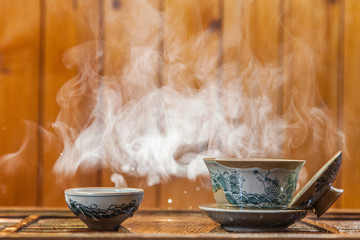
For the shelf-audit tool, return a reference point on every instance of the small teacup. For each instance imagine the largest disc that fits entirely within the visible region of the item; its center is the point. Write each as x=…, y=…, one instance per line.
x=254, y=183
x=103, y=208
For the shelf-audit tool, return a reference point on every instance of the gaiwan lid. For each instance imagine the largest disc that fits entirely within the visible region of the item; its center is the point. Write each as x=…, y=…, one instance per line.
x=318, y=192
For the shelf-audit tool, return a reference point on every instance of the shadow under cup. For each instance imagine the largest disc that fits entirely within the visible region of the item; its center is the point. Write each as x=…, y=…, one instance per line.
x=254, y=183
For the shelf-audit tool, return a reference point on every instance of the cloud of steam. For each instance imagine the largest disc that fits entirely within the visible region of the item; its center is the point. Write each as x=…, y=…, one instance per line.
x=134, y=122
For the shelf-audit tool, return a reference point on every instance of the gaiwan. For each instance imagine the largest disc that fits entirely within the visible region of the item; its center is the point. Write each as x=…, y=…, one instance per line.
x=254, y=183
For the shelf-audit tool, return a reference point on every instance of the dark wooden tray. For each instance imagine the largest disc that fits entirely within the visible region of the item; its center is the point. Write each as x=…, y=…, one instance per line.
x=41, y=223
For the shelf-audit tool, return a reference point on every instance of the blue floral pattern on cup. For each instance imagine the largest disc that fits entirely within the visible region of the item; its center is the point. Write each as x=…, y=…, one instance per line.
x=255, y=187
x=95, y=213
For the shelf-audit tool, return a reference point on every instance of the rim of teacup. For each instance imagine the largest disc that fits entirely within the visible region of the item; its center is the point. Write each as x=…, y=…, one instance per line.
x=103, y=191
x=263, y=163
x=254, y=159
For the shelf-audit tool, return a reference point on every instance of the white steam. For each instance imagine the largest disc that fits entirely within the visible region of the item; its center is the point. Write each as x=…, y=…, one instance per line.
x=129, y=123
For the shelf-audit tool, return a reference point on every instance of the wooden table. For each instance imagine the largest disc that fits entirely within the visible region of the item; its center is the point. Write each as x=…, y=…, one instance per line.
x=40, y=223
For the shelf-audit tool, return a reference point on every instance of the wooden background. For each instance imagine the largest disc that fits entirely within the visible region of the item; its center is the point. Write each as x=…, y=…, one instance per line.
x=35, y=34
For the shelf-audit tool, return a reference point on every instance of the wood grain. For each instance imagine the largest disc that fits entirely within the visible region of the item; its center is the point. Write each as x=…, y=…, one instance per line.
x=21, y=224
x=19, y=99
x=322, y=226
x=309, y=50
x=313, y=132
x=351, y=103
x=120, y=44
x=185, y=23
x=160, y=224
x=76, y=48
x=332, y=76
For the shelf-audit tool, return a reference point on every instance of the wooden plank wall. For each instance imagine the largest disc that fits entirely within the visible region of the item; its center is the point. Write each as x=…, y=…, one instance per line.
x=19, y=92
x=44, y=44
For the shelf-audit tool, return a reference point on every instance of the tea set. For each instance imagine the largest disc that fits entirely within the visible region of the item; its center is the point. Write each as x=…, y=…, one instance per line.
x=251, y=195
x=255, y=195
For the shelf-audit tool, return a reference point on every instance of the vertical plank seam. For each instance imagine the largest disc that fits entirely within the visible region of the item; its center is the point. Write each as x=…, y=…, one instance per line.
x=340, y=80
x=101, y=47
x=161, y=43
x=161, y=6
x=220, y=56
x=287, y=66
x=41, y=80
x=75, y=5
x=285, y=12
x=281, y=52
x=281, y=56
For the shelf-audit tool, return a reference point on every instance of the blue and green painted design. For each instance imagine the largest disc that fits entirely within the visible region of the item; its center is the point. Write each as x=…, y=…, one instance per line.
x=275, y=193
x=94, y=212
x=324, y=182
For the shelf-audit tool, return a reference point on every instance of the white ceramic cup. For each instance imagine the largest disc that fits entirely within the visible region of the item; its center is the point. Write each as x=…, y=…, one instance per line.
x=103, y=208
x=254, y=183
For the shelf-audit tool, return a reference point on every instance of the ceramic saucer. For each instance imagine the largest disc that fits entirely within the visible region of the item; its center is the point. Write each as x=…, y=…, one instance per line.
x=319, y=186
x=236, y=219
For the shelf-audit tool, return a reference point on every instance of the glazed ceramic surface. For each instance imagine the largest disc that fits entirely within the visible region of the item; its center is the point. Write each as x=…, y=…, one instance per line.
x=327, y=200
x=254, y=183
x=319, y=185
x=236, y=219
x=103, y=208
